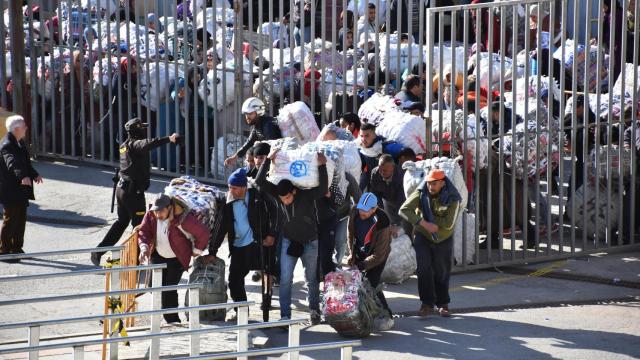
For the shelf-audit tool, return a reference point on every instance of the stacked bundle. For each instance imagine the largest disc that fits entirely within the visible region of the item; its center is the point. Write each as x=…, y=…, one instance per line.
x=349, y=303
x=222, y=80
x=580, y=59
x=415, y=172
x=198, y=198
x=464, y=239
x=535, y=142
x=406, y=129
x=373, y=110
x=400, y=56
x=234, y=143
x=464, y=141
x=156, y=83
x=492, y=62
x=401, y=263
x=296, y=120
x=609, y=160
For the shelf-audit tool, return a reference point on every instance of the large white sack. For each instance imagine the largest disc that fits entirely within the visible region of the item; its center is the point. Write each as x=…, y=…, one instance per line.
x=449, y=52
x=296, y=120
x=609, y=168
x=406, y=129
x=300, y=165
x=352, y=160
x=234, y=142
x=401, y=263
x=494, y=60
x=415, y=173
x=373, y=110
x=356, y=77
x=406, y=54
x=629, y=81
x=468, y=242
x=225, y=89
x=104, y=71
x=590, y=216
x=156, y=83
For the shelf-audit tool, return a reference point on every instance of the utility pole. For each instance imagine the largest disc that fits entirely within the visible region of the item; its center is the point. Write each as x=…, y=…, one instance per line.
x=16, y=34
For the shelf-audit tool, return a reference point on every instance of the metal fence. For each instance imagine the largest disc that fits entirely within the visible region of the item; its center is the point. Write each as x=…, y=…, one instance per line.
x=528, y=164
x=34, y=345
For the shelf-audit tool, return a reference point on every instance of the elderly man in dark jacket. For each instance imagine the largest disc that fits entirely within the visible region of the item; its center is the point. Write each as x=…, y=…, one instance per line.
x=17, y=176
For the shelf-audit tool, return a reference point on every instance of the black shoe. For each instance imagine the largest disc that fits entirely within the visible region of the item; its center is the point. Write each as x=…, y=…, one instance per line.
x=95, y=259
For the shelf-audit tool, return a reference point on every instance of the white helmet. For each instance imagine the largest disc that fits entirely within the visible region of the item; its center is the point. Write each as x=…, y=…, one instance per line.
x=253, y=104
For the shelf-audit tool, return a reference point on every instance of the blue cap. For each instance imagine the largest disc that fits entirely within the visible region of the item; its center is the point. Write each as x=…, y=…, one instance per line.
x=367, y=202
x=238, y=178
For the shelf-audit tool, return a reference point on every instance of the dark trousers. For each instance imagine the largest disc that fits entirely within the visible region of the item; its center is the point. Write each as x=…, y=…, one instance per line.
x=14, y=220
x=374, y=275
x=629, y=203
x=131, y=209
x=434, y=270
x=326, y=245
x=238, y=269
x=171, y=275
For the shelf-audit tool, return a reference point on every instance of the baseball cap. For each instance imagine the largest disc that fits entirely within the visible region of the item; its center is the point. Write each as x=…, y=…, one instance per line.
x=134, y=124
x=367, y=202
x=161, y=201
x=435, y=174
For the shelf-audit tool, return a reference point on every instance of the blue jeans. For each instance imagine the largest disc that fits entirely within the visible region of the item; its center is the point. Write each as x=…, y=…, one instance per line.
x=341, y=240
x=287, y=266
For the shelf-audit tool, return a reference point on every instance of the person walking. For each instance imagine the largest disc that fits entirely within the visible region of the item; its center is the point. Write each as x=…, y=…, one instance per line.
x=248, y=226
x=433, y=210
x=165, y=237
x=17, y=177
x=134, y=180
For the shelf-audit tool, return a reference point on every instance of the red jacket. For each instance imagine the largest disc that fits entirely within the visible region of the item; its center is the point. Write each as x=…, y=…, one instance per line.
x=180, y=244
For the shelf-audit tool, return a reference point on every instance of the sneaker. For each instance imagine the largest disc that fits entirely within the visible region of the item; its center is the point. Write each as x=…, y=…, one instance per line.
x=384, y=323
x=95, y=259
x=425, y=310
x=444, y=311
x=315, y=317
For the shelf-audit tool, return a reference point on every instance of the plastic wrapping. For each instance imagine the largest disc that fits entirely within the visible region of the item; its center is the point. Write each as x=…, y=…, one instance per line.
x=214, y=287
x=401, y=263
x=156, y=84
x=455, y=127
x=404, y=128
x=591, y=217
x=374, y=109
x=296, y=120
x=459, y=241
x=407, y=54
x=611, y=167
x=415, y=173
x=349, y=303
x=495, y=61
x=580, y=58
x=234, y=143
x=534, y=164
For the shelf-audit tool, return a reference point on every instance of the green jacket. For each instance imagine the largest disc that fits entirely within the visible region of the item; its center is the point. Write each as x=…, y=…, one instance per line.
x=445, y=216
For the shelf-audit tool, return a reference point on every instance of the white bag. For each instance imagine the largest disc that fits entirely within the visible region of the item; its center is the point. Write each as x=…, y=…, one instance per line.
x=109, y=70
x=401, y=263
x=156, y=84
x=406, y=129
x=448, y=53
x=225, y=90
x=455, y=129
x=595, y=223
x=515, y=153
x=300, y=166
x=415, y=173
x=358, y=79
x=373, y=110
x=482, y=69
x=468, y=242
x=296, y=120
x=407, y=54
x=234, y=142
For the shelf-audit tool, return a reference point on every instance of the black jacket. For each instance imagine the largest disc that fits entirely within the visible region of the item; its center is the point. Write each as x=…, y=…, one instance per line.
x=15, y=166
x=301, y=218
x=135, y=162
x=266, y=128
x=260, y=221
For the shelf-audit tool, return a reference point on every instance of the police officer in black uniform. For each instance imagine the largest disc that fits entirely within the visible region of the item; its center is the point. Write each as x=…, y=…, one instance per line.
x=135, y=173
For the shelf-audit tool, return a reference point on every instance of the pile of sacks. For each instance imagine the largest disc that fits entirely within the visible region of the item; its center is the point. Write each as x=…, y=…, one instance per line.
x=464, y=141
x=374, y=109
x=349, y=303
x=200, y=199
x=406, y=129
x=296, y=120
x=401, y=263
x=535, y=143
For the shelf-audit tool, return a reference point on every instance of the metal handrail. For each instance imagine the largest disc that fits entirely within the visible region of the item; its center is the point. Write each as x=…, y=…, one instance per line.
x=60, y=252
x=128, y=314
x=100, y=294
x=82, y=272
x=278, y=350
x=151, y=336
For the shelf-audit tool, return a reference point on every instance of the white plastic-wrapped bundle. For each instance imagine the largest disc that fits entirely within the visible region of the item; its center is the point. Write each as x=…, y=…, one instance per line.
x=449, y=52
x=225, y=89
x=356, y=77
x=140, y=42
x=401, y=263
x=515, y=153
x=341, y=134
x=415, y=173
x=406, y=129
x=104, y=71
x=156, y=83
x=234, y=142
x=300, y=165
x=296, y=120
x=580, y=59
x=362, y=9
x=352, y=160
x=468, y=242
x=627, y=87
x=612, y=165
x=349, y=304
x=495, y=62
x=402, y=55
x=455, y=128
x=373, y=110
x=531, y=90
x=590, y=216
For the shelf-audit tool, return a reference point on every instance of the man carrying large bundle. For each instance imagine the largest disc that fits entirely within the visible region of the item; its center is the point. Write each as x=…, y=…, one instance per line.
x=262, y=127
x=248, y=226
x=300, y=231
x=433, y=210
